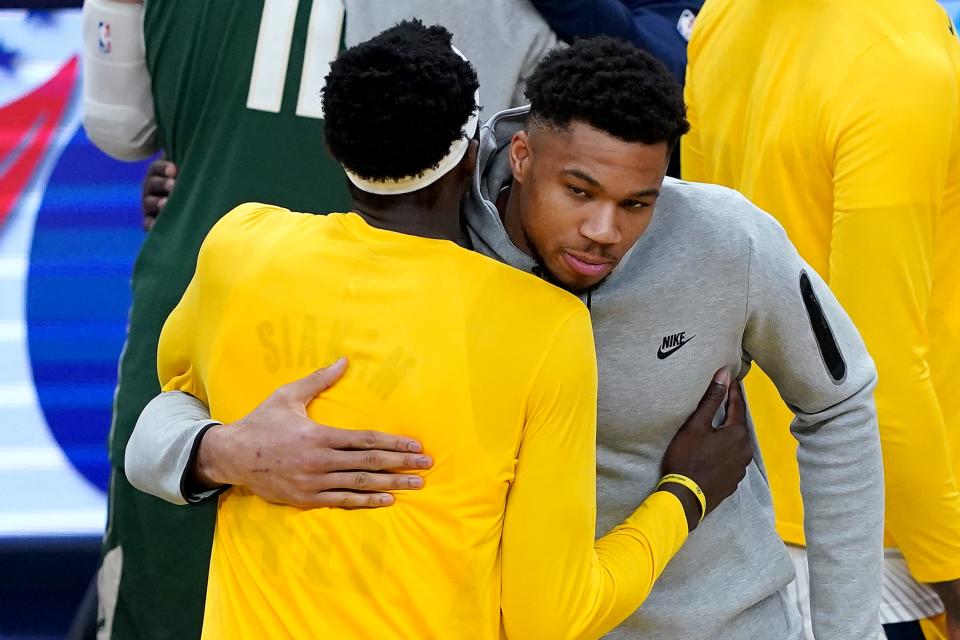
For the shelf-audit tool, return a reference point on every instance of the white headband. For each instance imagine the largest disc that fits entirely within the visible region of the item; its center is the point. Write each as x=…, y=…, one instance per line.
x=409, y=184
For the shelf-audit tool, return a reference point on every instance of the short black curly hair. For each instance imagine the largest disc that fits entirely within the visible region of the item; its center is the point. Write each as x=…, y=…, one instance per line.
x=394, y=104
x=612, y=86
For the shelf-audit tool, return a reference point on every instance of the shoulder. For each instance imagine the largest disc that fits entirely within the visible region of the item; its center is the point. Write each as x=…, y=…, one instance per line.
x=911, y=57
x=251, y=224
x=526, y=289
x=709, y=215
x=250, y=214
x=897, y=89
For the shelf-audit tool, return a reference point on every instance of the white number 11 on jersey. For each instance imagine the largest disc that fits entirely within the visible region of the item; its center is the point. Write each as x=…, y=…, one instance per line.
x=273, y=54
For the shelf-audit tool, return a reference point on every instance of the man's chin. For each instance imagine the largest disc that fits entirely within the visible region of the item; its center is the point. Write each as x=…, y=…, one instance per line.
x=576, y=285
x=584, y=289
x=562, y=277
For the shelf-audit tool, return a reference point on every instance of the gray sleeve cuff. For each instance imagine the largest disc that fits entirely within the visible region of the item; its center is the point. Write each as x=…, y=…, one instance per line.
x=163, y=445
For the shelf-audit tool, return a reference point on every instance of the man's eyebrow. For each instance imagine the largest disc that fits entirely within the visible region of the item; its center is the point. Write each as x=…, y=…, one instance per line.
x=586, y=177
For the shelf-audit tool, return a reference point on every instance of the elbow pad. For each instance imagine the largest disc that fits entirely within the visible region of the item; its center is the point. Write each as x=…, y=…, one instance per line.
x=117, y=96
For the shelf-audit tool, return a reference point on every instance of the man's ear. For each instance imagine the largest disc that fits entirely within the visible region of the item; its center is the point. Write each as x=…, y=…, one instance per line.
x=520, y=156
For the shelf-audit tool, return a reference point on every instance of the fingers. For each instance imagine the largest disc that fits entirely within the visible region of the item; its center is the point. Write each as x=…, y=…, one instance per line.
x=347, y=439
x=366, y=481
x=307, y=388
x=377, y=461
x=155, y=192
x=158, y=186
x=360, y=490
x=736, y=406
x=711, y=399
x=152, y=206
x=153, y=203
x=162, y=168
x=158, y=167
x=349, y=500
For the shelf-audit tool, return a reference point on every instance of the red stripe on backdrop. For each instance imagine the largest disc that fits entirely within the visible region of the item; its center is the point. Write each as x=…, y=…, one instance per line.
x=27, y=127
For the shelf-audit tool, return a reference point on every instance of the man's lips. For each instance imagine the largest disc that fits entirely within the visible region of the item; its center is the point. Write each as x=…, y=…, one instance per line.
x=588, y=265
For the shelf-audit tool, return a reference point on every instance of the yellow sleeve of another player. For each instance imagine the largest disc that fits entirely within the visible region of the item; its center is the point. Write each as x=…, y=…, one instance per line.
x=691, y=149
x=558, y=582
x=892, y=152
x=191, y=330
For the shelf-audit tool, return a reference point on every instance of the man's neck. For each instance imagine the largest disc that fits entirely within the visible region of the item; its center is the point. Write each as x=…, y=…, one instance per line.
x=441, y=222
x=508, y=206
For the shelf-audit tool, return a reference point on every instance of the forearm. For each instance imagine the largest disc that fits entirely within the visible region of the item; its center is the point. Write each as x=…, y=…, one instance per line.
x=633, y=556
x=585, y=588
x=162, y=447
x=841, y=480
x=118, y=112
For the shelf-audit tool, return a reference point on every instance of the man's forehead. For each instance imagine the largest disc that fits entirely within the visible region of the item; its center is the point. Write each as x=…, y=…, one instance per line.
x=582, y=139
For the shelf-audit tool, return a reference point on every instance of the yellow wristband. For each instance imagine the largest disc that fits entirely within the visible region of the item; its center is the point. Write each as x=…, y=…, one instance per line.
x=676, y=478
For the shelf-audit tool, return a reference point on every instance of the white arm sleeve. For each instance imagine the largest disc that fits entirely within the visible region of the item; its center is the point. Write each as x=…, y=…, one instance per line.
x=117, y=97
x=162, y=446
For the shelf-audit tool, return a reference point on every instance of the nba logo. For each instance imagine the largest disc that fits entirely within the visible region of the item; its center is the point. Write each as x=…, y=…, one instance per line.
x=103, y=29
x=685, y=24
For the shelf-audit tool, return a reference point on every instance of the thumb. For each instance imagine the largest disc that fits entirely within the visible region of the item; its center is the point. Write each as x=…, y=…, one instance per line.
x=308, y=387
x=711, y=400
x=736, y=406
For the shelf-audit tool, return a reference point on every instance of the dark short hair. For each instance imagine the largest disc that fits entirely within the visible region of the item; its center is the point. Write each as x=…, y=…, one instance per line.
x=394, y=104
x=612, y=86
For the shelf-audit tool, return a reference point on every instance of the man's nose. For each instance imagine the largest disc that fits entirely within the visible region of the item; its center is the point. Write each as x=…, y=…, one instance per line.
x=601, y=225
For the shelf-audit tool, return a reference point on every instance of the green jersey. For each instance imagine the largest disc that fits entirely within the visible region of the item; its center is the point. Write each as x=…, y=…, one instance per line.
x=237, y=88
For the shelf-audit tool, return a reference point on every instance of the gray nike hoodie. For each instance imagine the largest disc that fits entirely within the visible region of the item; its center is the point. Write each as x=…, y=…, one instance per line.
x=714, y=282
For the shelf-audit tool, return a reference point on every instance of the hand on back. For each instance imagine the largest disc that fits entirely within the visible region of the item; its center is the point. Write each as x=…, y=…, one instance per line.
x=283, y=456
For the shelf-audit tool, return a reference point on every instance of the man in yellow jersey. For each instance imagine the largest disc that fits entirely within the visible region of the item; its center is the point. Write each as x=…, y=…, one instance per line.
x=842, y=119
x=505, y=522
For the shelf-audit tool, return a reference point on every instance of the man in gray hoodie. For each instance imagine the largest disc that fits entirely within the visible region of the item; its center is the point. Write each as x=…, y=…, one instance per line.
x=567, y=190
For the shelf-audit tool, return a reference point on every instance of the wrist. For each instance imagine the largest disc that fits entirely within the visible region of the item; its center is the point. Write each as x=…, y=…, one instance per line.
x=210, y=468
x=689, y=502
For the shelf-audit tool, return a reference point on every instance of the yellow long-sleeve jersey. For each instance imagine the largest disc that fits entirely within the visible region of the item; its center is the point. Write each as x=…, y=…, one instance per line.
x=842, y=119
x=491, y=368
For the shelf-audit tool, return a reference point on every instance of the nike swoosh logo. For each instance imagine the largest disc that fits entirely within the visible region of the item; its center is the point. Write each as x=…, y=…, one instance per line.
x=663, y=355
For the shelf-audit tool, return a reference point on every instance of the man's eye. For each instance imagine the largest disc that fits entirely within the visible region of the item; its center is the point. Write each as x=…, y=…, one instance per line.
x=578, y=192
x=635, y=205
